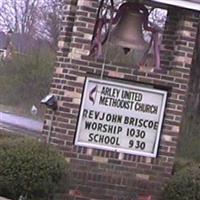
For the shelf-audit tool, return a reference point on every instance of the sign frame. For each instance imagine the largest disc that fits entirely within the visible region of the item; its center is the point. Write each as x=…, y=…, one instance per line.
x=109, y=148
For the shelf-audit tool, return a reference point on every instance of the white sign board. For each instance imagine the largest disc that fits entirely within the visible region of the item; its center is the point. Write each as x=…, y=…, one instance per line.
x=120, y=117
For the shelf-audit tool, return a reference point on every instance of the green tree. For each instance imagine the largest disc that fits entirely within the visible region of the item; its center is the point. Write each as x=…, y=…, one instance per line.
x=185, y=185
x=25, y=79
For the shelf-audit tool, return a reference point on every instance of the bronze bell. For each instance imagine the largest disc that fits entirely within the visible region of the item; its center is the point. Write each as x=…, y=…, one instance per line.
x=127, y=33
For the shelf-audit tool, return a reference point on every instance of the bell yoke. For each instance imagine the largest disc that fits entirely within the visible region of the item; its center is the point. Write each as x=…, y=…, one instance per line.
x=125, y=29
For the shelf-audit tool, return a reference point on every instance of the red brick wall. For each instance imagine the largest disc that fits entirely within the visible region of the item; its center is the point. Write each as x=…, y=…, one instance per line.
x=106, y=175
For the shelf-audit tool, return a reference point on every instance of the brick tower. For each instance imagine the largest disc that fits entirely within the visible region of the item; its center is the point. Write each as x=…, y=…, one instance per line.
x=106, y=174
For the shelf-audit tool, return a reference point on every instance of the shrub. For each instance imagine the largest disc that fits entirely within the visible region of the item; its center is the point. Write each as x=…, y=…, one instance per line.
x=32, y=169
x=185, y=185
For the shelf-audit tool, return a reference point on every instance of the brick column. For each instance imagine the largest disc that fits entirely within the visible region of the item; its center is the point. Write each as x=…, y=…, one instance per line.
x=64, y=47
x=106, y=175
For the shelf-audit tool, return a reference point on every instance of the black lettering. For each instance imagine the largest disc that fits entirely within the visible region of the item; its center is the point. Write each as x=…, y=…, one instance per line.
x=130, y=132
x=104, y=128
x=91, y=114
x=138, y=97
x=112, y=140
x=119, y=119
x=136, y=121
x=101, y=137
x=137, y=106
x=114, y=129
x=142, y=145
x=126, y=120
x=142, y=134
x=148, y=108
x=150, y=125
x=85, y=112
x=119, y=129
x=108, y=91
x=94, y=125
x=103, y=91
x=100, y=125
x=110, y=129
x=102, y=116
x=155, y=126
x=145, y=124
x=87, y=125
x=96, y=115
x=95, y=138
x=137, y=144
x=102, y=100
x=131, y=143
x=108, y=117
x=90, y=137
x=115, y=118
x=106, y=139
x=117, y=142
x=137, y=133
x=132, y=120
x=140, y=123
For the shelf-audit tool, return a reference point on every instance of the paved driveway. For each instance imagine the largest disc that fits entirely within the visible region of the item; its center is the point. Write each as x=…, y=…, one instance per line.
x=21, y=122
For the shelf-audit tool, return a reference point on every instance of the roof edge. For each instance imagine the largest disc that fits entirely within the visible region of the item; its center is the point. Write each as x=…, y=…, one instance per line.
x=180, y=3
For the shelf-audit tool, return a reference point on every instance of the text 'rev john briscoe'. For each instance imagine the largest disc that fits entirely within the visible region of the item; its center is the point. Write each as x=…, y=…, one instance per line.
x=100, y=123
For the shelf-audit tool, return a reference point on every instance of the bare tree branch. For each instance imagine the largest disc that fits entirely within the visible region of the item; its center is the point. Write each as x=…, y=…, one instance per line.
x=19, y=15
x=35, y=18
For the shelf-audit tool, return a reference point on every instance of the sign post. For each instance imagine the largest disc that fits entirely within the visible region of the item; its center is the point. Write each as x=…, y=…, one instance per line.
x=120, y=117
